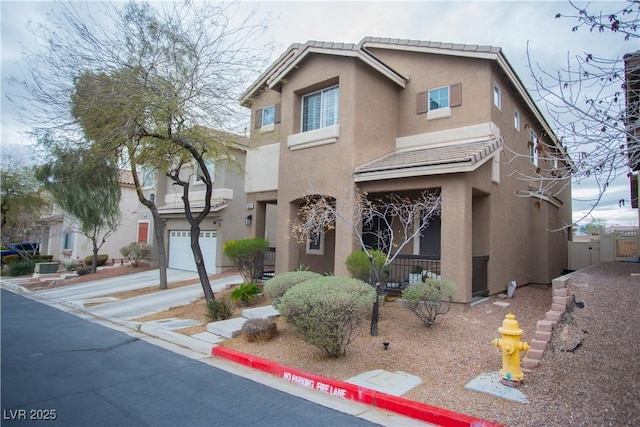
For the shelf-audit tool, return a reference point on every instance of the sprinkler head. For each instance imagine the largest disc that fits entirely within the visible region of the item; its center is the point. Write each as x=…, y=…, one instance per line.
x=386, y=345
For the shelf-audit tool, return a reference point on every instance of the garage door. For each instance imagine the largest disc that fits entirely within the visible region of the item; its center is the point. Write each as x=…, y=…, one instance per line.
x=181, y=256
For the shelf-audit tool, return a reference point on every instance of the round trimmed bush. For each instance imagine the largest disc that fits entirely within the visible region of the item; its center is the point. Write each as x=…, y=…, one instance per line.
x=259, y=330
x=327, y=311
x=276, y=287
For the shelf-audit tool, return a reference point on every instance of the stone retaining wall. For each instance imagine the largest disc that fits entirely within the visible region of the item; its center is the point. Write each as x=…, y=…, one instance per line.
x=545, y=327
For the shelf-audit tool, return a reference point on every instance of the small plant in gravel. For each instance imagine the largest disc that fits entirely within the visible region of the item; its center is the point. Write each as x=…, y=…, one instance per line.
x=327, y=310
x=259, y=330
x=245, y=293
x=359, y=267
x=20, y=268
x=135, y=252
x=81, y=271
x=71, y=266
x=219, y=309
x=428, y=299
x=276, y=287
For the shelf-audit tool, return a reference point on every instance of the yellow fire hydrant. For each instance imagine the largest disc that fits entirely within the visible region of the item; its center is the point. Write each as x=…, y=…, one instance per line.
x=511, y=346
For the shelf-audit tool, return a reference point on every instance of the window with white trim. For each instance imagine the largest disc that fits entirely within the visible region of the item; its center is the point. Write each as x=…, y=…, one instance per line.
x=320, y=109
x=533, y=147
x=438, y=98
x=268, y=115
x=497, y=96
x=516, y=120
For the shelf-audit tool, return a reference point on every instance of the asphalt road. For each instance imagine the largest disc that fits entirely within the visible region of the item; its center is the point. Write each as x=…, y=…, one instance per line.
x=59, y=369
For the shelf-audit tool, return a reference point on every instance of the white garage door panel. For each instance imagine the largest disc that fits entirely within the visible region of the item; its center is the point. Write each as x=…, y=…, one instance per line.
x=181, y=256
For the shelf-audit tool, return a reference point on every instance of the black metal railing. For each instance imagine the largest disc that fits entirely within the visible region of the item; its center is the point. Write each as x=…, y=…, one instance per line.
x=408, y=268
x=269, y=263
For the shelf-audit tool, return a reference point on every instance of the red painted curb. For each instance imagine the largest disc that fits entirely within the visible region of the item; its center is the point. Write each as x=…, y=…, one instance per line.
x=387, y=402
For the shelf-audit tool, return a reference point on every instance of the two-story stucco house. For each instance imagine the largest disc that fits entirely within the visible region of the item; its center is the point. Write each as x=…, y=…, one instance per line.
x=224, y=222
x=402, y=116
x=62, y=239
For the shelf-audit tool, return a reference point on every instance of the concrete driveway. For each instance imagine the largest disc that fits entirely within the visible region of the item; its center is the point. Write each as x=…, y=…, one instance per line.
x=145, y=305
x=97, y=288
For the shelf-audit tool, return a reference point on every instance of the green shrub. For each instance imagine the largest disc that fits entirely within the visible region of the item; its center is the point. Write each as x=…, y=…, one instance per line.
x=327, y=310
x=71, y=266
x=219, y=309
x=275, y=287
x=428, y=299
x=43, y=258
x=359, y=267
x=10, y=259
x=134, y=252
x=83, y=270
x=259, y=330
x=247, y=255
x=245, y=293
x=20, y=268
x=102, y=259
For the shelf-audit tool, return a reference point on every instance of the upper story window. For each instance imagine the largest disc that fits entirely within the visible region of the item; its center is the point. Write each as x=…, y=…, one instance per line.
x=148, y=176
x=438, y=98
x=533, y=147
x=269, y=115
x=497, y=96
x=516, y=120
x=437, y=102
x=320, y=109
x=266, y=118
x=198, y=178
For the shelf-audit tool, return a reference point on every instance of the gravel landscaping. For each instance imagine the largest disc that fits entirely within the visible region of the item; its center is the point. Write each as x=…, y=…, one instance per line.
x=589, y=375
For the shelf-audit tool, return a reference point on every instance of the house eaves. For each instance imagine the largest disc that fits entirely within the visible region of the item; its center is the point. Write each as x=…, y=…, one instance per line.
x=458, y=157
x=288, y=62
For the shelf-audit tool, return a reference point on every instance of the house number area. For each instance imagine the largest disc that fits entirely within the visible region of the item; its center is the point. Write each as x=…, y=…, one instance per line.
x=29, y=414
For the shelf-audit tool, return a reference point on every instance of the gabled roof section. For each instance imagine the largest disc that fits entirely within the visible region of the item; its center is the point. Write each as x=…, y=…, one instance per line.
x=470, y=51
x=296, y=53
x=450, y=158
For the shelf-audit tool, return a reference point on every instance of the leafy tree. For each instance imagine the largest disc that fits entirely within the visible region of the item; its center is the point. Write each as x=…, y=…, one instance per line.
x=585, y=102
x=87, y=187
x=23, y=201
x=393, y=220
x=155, y=86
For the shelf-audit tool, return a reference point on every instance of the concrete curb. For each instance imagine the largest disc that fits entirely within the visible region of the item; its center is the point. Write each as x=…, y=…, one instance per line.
x=398, y=405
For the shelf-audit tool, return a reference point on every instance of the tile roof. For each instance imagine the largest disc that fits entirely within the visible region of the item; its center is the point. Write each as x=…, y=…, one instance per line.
x=465, y=155
x=430, y=44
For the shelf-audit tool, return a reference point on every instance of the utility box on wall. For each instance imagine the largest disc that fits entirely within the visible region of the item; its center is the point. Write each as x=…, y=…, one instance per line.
x=46, y=268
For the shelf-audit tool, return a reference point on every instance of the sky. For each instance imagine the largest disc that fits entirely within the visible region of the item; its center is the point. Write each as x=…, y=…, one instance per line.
x=511, y=25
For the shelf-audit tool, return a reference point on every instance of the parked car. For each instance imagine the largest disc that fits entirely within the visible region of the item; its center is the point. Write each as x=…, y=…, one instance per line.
x=30, y=248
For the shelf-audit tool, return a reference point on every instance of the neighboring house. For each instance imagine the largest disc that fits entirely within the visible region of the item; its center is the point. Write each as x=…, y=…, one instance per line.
x=226, y=220
x=401, y=116
x=62, y=239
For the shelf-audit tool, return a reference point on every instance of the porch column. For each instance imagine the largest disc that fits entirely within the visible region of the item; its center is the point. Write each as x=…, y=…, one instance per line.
x=345, y=241
x=457, y=233
x=287, y=247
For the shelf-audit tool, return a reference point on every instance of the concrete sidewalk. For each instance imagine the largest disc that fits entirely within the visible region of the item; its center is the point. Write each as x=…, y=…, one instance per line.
x=145, y=305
